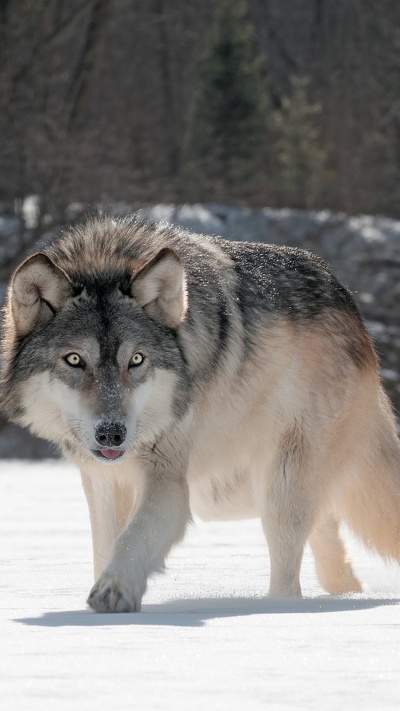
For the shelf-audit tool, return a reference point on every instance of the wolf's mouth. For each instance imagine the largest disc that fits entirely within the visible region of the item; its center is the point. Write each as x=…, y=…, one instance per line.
x=109, y=454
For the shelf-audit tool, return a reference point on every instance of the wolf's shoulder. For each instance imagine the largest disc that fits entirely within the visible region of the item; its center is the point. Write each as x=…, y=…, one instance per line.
x=288, y=279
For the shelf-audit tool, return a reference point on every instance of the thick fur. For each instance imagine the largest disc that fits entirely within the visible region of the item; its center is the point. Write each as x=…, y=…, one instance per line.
x=189, y=374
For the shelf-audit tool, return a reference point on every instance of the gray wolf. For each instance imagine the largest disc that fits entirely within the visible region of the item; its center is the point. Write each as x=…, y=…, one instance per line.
x=186, y=374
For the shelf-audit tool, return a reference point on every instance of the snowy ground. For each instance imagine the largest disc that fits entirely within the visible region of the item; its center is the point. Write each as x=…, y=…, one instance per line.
x=207, y=637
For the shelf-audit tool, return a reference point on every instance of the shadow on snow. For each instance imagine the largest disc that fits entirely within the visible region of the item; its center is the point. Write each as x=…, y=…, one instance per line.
x=196, y=612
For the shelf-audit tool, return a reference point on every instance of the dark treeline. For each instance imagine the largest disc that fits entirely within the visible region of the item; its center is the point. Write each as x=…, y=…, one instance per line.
x=265, y=102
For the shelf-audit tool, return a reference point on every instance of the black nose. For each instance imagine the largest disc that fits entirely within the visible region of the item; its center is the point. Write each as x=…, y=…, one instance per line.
x=110, y=434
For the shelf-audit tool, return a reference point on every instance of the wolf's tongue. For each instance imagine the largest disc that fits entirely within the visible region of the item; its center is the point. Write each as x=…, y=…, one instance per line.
x=110, y=453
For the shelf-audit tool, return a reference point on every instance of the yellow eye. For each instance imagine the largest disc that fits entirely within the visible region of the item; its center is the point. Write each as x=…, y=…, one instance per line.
x=136, y=359
x=74, y=360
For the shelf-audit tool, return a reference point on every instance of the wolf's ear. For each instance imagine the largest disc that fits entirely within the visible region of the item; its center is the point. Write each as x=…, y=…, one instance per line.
x=38, y=290
x=160, y=288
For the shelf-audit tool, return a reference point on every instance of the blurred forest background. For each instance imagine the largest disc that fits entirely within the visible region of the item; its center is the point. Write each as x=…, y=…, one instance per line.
x=264, y=102
x=234, y=104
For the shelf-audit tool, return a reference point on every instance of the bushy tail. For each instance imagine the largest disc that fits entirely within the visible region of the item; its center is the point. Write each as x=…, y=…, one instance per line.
x=371, y=505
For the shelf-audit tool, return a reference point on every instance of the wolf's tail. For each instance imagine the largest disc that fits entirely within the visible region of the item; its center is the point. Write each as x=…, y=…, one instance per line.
x=371, y=505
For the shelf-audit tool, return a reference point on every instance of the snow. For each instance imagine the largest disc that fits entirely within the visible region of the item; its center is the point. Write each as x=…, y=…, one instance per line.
x=207, y=638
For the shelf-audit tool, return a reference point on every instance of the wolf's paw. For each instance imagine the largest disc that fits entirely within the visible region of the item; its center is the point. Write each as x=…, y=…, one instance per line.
x=114, y=594
x=343, y=582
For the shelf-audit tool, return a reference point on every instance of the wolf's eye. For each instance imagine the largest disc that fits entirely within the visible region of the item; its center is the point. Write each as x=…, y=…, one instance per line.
x=136, y=359
x=74, y=360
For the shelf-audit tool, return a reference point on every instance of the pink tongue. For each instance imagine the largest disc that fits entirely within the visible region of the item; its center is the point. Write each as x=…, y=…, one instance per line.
x=110, y=453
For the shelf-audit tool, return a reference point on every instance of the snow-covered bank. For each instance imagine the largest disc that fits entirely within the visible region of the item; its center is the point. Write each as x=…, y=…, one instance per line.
x=207, y=636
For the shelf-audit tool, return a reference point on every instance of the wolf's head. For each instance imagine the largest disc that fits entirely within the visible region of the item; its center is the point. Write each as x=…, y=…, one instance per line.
x=96, y=366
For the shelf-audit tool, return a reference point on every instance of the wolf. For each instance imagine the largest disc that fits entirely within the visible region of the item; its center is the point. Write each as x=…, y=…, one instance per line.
x=187, y=375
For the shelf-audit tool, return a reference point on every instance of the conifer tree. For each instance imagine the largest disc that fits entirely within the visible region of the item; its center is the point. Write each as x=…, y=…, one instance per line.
x=232, y=107
x=300, y=158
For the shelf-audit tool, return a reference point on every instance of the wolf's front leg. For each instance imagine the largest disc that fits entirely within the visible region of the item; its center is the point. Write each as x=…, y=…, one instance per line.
x=140, y=550
x=111, y=499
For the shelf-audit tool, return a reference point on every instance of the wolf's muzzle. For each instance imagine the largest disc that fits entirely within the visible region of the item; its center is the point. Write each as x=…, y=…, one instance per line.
x=110, y=434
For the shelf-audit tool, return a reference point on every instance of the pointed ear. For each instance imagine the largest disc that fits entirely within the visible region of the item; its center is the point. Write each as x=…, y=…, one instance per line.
x=160, y=288
x=38, y=290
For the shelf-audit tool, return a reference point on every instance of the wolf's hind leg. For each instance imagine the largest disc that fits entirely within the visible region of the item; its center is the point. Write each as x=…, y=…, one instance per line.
x=333, y=568
x=288, y=514
x=286, y=546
